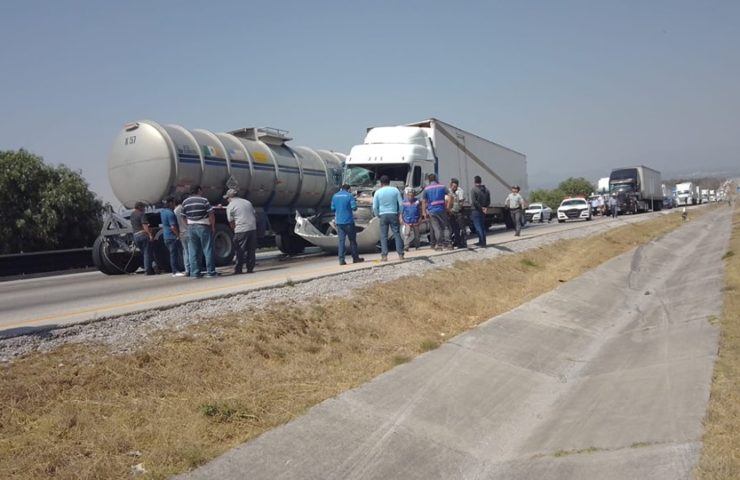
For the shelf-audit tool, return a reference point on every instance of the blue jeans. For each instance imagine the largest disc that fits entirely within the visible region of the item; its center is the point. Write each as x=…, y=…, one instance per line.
x=185, y=244
x=173, y=246
x=201, y=243
x=344, y=231
x=390, y=220
x=145, y=247
x=479, y=222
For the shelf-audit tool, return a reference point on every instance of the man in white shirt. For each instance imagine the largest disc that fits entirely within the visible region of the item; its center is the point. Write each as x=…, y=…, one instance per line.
x=516, y=204
x=243, y=221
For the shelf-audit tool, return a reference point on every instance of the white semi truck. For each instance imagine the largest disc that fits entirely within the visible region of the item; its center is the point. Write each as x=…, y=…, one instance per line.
x=686, y=193
x=407, y=154
x=638, y=189
x=149, y=162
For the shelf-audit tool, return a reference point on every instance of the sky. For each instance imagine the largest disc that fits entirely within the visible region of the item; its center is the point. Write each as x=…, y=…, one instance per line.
x=580, y=87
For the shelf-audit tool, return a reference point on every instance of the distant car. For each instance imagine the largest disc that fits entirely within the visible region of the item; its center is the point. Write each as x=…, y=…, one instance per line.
x=574, y=209
x=538, y=212
x=668, y=202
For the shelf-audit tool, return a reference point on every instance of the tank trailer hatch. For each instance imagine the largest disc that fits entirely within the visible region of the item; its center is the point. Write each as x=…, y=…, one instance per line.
x=269, y=135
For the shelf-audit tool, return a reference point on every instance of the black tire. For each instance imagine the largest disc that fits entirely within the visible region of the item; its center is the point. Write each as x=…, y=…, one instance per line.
x=223, y=245
x=114, y=263
x=588, y=219
x=561, y=221
x=290, y=244
x=160, y=253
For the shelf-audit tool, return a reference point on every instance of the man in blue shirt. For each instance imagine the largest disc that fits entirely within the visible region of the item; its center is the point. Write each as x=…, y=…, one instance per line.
x=343, y=203
x=171, y=235
x=434, y=207
x=387, y=205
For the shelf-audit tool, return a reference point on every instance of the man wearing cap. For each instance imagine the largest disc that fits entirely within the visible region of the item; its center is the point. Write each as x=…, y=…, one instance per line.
x=201, y=227
x=480, y=199
x=343, y=203
x=516, y=204
x=243, y=221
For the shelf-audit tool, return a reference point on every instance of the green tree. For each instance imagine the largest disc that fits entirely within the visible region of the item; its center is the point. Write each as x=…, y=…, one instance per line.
x=44, y=207
x=576, y=187
x=551, y=198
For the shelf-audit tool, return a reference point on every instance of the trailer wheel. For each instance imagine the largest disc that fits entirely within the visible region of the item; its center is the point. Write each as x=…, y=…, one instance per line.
x=223, y=245
x=290, y=244
x=160, y=253
x=113, y=263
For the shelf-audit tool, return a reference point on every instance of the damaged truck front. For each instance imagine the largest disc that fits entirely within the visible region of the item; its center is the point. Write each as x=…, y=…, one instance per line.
x=407, y=154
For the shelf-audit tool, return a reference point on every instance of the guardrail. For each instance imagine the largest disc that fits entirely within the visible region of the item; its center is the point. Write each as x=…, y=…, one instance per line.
x=44, y=262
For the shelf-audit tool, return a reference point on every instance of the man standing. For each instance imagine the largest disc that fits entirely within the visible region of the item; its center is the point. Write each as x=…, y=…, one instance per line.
x=387, y=205
x=201, y=227
x=434, y=207
x=182, y=225
x=516, y=205
x=480, y=199
x=343, y=203
x=454, y=210
x=613, y=205
x=143, y=235
x=171, y=235
x=411, y=216
x=243, y=221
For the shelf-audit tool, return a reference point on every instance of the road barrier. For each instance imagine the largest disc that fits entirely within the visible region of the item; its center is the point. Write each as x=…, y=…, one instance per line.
x=44, y=262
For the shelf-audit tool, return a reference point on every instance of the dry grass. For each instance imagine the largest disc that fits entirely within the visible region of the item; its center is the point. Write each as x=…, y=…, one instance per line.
x=186, y=397
x=720, y=458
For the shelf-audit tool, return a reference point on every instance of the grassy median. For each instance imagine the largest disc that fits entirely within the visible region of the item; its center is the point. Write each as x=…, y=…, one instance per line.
x=187, y=396
x=720, y=458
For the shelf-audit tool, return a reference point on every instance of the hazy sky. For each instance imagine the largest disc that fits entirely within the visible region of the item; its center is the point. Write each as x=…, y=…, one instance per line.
x=578, y=86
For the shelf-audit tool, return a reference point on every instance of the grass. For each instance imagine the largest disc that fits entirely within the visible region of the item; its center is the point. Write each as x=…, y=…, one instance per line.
x=720, y=459
x=188, y=396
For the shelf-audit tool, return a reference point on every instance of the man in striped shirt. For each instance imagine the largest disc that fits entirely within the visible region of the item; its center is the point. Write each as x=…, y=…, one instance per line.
x=201, y=227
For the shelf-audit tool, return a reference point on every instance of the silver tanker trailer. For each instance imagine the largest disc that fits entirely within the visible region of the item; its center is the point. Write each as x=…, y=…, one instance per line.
x=149, y=162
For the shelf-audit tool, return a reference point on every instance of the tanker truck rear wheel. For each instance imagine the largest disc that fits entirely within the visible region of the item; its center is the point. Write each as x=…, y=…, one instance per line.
x=290, y=244
x=223, y=245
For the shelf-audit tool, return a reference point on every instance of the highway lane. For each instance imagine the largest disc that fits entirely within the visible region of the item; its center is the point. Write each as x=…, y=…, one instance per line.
x=61, y=300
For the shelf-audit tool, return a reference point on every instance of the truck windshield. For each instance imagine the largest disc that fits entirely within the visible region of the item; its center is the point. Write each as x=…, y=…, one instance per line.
x=624, y=180
x=369, y=175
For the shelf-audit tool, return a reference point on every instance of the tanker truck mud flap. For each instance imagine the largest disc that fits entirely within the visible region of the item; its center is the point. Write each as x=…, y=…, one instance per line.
x=368, y=234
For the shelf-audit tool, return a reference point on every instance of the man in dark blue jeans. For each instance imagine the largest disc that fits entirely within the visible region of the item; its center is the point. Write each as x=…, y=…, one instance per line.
x=171, y=235
x=343, y=203
x=143, y=235
x=388, y=205
x=480, y=198
x=201, y=227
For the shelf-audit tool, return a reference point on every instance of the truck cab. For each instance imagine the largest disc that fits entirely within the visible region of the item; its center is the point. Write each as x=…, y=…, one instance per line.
x=404, y=154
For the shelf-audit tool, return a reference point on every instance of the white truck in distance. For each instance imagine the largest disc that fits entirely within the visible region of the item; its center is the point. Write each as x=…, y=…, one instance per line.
x=407, y=154
x=686, y=193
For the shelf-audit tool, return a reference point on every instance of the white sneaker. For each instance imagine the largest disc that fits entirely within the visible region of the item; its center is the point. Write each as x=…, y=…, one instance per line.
x=178, y=274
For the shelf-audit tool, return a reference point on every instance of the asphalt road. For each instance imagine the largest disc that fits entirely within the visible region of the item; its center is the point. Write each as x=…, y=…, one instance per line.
x=27, y=305
x=606, y=377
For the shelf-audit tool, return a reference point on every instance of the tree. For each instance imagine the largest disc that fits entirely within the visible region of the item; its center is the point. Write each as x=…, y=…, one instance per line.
x=44, y=207
x=576, y=187
x=551, y=198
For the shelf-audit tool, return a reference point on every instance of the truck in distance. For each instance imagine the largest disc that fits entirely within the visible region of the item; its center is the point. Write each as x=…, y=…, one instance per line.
x=638, y=189
x=686, y=193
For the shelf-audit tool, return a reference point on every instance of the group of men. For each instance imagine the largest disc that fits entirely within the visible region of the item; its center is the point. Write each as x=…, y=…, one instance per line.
x=188, y=229
x=439, y=205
